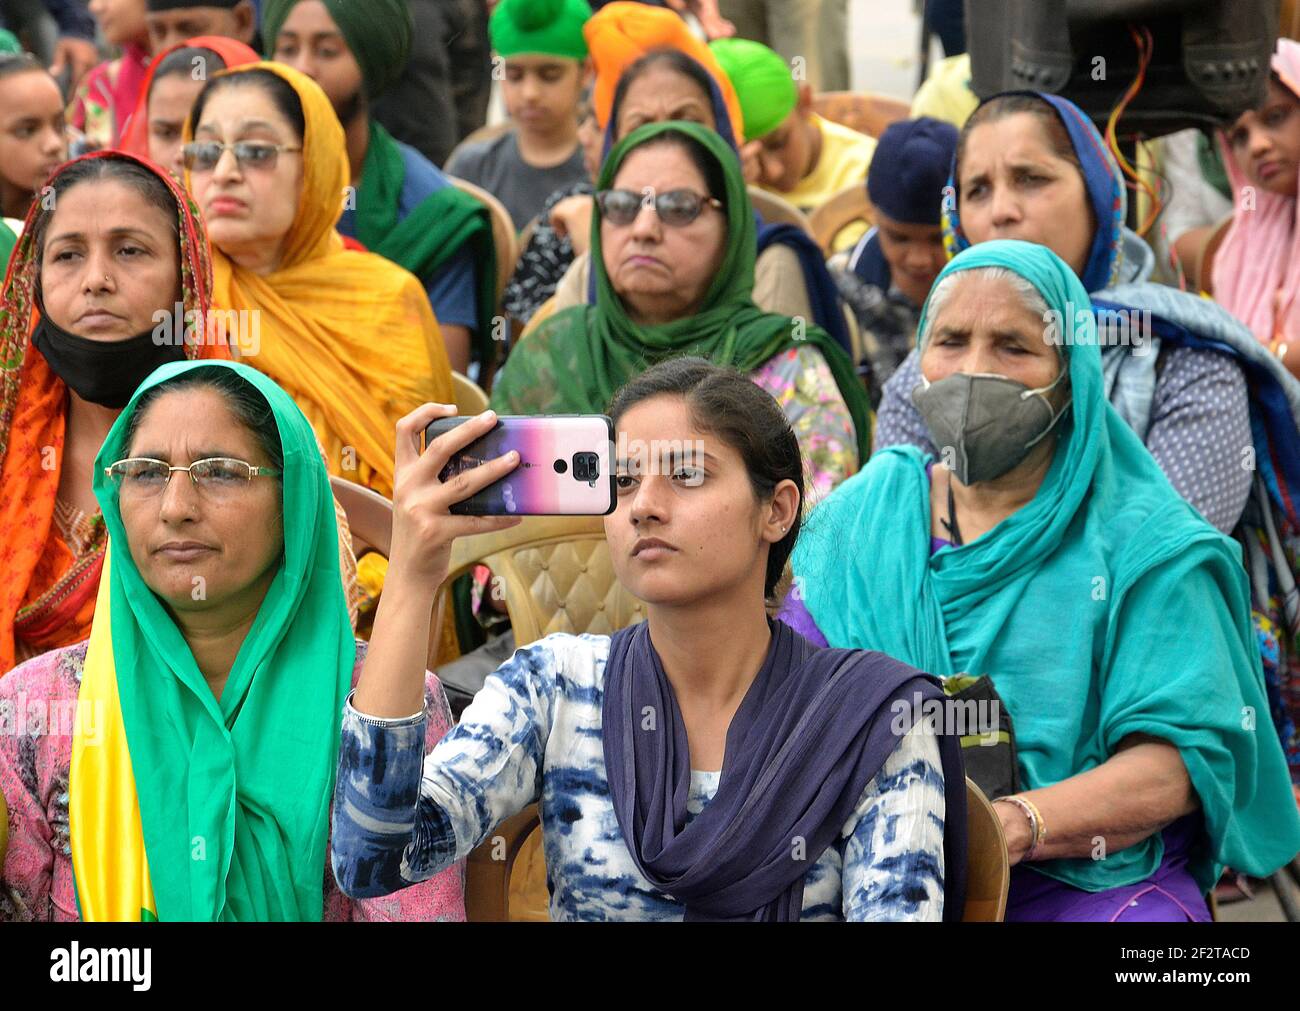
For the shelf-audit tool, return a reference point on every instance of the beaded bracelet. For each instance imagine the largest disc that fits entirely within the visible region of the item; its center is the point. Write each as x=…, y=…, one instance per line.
x=1037, y=827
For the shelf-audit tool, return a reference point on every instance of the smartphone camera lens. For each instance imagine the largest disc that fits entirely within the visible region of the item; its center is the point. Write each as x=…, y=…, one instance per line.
x=560, y=466
x=586, y=467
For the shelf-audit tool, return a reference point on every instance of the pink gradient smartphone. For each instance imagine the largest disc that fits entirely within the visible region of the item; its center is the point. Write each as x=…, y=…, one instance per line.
x=565, y=465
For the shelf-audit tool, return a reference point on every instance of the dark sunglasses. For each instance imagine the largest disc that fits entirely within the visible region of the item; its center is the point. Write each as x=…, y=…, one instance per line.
x=675, y=208
x=203, y=155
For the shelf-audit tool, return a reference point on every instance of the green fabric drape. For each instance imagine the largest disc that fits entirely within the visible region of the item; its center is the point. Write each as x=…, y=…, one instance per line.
x=235, y=793
x=445, y=223
x=1105, y=607
x=578, y=359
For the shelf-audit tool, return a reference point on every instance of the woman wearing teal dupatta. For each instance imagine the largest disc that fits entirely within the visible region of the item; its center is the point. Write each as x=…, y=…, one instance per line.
x=1108, y=615
x=577, y=359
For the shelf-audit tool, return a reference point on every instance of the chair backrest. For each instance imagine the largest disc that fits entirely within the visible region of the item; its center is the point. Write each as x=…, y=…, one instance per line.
x=777, y=211
x=865, y=112
x=845, y=207
x=503, y=232
x=470, y=398
x=370, y=516
x=489, y=867
x=557, y=576
x=988, y=868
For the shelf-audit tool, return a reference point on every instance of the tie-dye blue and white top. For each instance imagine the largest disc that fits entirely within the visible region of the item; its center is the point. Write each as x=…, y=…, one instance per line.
x=533, y=732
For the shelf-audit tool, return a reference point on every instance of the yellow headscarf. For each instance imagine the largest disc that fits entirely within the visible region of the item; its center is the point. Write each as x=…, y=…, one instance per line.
x=348, y=334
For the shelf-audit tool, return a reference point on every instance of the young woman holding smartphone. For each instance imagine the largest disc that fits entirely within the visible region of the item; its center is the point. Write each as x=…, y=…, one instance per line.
x=708, y=763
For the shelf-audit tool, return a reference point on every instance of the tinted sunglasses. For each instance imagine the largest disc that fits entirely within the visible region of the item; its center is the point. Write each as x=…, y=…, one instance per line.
x=203, y=155
x=675, y=208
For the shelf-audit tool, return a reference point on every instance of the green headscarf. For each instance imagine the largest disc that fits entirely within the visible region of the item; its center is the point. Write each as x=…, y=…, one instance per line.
x=437, y=229
x=248, y=778
x=1105, y=607
x=377, y=31
x=577, y=359
x=545, y=27
x=7, y=242
x=763, y=83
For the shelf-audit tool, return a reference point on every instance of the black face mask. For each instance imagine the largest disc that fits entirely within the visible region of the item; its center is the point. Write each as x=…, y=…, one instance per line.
x=102, y=372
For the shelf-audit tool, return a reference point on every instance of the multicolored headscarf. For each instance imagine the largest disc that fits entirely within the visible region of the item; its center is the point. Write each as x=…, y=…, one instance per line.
x=1101, y=179
x=47, y=594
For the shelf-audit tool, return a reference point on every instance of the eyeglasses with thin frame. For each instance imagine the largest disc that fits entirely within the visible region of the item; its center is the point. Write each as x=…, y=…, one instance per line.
x=203, y=155
x=214, y=475
x=676, y=208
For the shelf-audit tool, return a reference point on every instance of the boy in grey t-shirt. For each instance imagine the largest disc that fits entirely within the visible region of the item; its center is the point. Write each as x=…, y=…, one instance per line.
x=545, y=59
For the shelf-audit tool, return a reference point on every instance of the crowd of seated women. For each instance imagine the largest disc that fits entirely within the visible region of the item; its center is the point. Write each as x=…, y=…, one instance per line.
x=979, y=444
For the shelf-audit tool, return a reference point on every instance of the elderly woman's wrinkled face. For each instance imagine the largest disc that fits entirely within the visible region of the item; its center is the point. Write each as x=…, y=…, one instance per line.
x=984, y=326
x=662, y=93
x=1012, y=185
x=248, y=209
x=662, y=272
x=110, y=261
x=1266, y=142
x=202, y=549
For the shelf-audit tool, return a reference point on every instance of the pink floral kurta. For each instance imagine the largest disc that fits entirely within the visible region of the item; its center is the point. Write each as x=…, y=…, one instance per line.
x=38, y=702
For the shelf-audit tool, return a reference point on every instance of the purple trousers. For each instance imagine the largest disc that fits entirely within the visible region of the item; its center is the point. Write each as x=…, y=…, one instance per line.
x=1170, y=895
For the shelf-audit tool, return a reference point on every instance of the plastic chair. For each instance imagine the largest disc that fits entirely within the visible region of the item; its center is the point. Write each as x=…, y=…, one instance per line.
x=470, y=398
x=490, y=871
x=370, y=516
x=777, y=211
x=503, y=232
x=845, y=207
x=862, y=111
x=988, y=867
x=558, y=577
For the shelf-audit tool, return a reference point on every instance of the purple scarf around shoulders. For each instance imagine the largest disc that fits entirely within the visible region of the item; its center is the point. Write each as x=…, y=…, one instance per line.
x=811, y=732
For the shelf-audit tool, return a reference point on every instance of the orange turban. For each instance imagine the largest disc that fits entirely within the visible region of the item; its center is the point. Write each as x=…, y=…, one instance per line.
x=622, y=32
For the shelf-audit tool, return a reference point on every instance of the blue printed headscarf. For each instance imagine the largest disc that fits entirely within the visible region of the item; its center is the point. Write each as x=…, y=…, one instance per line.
x=1101, y=178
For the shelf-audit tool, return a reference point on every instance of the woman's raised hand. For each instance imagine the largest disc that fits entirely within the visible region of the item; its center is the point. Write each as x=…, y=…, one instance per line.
x=423, y=525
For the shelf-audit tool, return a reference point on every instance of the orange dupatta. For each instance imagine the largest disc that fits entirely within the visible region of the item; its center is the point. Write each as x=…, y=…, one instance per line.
x=348, y=334
x=47, y=594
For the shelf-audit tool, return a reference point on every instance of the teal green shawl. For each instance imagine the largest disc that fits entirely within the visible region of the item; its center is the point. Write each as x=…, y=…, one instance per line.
x=577, y=359
x=235, y=794
x=1103, y=608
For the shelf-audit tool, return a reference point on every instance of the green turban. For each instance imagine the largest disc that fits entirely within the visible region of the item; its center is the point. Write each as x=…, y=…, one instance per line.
x=377, y=31
x=547, y=27
x=763, y=84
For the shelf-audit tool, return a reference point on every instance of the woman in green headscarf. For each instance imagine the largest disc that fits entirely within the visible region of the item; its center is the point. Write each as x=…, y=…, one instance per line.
x=673, y=244
x=1046, y=550
x=202, y=741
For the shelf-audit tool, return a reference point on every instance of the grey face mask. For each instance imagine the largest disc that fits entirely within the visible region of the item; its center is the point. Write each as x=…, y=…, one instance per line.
x=984, y=424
